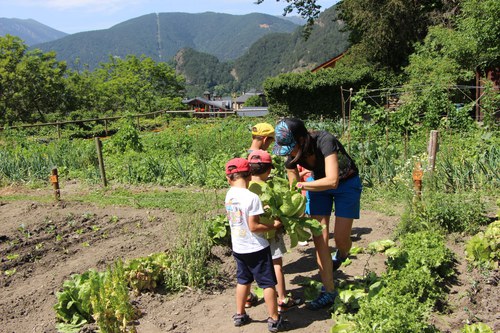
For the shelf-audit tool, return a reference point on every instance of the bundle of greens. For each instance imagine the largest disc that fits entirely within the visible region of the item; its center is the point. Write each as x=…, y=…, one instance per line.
x=287, y=205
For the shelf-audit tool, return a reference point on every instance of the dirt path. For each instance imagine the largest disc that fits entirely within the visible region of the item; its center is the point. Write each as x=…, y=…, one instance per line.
x=46, y=243
x=195, y=312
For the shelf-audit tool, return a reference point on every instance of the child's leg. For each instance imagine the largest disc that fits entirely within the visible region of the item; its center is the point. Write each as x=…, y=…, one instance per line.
x=280, y=277
x=242, y=290
x=271, y=302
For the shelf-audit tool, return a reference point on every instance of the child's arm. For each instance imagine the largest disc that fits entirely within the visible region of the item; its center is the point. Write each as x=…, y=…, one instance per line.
x=255, y=226
x=292, y=174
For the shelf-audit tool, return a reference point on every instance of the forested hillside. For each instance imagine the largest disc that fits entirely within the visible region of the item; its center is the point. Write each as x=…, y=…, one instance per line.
x=269, y=56
x=31, y=31
x=160, y=36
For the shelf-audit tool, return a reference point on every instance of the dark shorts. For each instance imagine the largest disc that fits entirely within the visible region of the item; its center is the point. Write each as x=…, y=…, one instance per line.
x=346, y=197
x=256, y=266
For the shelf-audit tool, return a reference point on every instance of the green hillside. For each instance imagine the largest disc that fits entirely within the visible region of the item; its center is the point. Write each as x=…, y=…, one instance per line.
x=269, y=56
x=30, y=31
x=161, y=36
x=203, y=72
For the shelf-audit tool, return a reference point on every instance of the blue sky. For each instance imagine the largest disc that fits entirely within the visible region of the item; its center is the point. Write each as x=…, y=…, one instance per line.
x=73, y=16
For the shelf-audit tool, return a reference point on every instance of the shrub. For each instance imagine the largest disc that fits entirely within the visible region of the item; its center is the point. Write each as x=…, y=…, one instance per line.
x=451, y=212
x=127, y=137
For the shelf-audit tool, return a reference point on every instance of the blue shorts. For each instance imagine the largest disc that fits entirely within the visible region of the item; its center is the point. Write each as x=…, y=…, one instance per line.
x=256, y=266
x=346, y=197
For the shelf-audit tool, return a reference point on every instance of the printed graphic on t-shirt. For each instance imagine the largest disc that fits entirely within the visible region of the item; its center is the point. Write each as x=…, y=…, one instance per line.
x=235, y=217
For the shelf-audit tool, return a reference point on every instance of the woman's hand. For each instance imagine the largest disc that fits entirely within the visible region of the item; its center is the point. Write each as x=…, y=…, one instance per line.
x=331, y=179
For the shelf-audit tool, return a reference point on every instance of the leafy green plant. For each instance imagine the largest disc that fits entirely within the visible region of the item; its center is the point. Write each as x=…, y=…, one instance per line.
x=111, y=307
x=288, y=206
x=426, y=250
x=127, y=137
x=380, y=246
x=73, y=308
x=350, y=293
x=483, y=249
x=12, y=256
x=412, y=286
x=219, y=229
x=312, y=288
x=145, y=274
x=477, y=328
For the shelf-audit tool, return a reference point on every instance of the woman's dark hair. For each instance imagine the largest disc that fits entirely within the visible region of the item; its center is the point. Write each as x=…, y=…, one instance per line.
x=301, y=136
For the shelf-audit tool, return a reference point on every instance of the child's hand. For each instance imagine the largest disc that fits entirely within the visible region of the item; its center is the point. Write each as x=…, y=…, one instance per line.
x=277, y=224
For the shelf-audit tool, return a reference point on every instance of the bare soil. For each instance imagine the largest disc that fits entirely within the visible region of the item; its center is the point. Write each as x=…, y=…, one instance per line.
x=45, y=243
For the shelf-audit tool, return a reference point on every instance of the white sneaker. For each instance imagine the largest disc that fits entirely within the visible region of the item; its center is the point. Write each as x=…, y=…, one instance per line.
x=305, y=243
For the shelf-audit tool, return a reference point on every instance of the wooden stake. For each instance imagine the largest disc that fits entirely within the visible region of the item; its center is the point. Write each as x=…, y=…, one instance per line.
x=343, y=109
x=54, y=179
x=432, y=149
x=406, y=144
x=98, y=145
x=349, y=123
x=418, y=174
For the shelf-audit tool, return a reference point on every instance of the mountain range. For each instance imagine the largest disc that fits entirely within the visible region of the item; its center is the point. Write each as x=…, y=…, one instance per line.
x=160, y=36
x=269, y=56
x=232, y=52
x=31, y=31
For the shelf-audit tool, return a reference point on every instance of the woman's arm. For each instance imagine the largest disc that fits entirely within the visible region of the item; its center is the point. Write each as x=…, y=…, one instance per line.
x=255, y=226
x=331, y=180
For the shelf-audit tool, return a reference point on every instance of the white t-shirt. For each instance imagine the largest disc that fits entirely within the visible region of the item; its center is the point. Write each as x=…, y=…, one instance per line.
x=240, y=204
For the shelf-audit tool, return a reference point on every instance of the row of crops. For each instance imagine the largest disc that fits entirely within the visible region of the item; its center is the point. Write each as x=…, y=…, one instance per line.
x=193, y=152
x=184, y=151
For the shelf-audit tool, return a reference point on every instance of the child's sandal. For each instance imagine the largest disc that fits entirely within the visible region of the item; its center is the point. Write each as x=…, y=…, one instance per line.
x=252, y=300
x=288, y=303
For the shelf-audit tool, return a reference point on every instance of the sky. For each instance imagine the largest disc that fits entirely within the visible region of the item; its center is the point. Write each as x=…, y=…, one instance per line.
x=73, y=16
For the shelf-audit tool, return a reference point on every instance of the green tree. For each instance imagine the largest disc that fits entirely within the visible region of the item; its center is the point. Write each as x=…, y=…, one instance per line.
x=254, y=101
x=479, y=23
x=307, y=9
x=133, y=85
x=386, y=30
x=31, y=83
x=451, y=56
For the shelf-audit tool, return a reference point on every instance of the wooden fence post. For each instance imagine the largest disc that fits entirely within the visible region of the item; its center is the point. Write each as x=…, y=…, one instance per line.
x=54, y=179
x=98, y=145
x=349, y=123
x=432, y=149
x=342, y=104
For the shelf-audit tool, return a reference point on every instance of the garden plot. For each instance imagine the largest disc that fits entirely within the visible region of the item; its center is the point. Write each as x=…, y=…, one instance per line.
x=42, y=244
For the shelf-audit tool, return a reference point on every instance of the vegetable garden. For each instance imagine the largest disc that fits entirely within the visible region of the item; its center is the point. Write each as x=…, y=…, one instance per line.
x=458, y=203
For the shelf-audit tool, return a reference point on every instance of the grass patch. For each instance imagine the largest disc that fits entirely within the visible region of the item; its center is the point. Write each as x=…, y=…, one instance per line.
x=388, y=200
x=178, y=200
x=175, y=200
x=35, y=197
